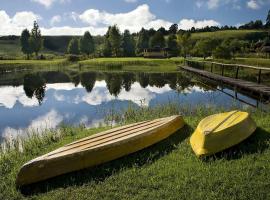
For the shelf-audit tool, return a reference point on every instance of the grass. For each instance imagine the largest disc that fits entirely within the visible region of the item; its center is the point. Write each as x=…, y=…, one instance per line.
x=231, y=34
x=167, y=170
x=10, y=65
x=259, y=62
x=133, y=64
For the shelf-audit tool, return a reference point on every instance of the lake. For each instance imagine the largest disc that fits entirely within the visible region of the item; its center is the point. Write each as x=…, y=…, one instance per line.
x=50, y=98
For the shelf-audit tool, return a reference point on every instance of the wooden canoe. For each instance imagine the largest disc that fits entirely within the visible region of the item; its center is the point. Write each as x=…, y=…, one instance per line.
x=221, y=131
x=98, y=148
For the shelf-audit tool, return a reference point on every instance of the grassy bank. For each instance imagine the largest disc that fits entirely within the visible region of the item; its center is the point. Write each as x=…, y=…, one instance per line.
x=168, y=170
x=133, y=64
x=9, y=65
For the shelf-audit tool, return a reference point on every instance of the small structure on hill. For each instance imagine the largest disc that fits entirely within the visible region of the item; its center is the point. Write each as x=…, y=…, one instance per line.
x=156, y=52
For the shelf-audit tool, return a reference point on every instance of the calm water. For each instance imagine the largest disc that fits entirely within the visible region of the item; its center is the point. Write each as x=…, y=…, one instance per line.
x=48, y=99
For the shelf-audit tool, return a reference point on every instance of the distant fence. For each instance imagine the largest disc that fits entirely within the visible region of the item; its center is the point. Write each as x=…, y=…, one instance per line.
x=204, y=65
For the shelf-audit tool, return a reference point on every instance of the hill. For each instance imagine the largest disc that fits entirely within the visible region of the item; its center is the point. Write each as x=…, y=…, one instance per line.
x=232, y=34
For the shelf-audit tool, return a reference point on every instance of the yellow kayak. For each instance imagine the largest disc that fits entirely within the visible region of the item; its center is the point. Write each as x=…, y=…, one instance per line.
x=97, y=149
x=221, y=131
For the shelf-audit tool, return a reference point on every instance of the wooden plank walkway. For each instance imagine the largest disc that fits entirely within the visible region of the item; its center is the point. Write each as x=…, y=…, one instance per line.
x=255, y=88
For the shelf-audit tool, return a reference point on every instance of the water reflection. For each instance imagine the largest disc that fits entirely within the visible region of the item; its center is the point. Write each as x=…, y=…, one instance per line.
x=45, y=99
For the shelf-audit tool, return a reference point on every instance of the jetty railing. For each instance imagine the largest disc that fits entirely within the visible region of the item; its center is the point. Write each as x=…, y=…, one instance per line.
x=203, y=64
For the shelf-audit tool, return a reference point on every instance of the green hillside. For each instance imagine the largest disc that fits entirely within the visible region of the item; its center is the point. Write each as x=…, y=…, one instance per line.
x=238, y=34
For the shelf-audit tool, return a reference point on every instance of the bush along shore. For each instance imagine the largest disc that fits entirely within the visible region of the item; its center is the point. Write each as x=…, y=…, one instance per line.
x=167, y=170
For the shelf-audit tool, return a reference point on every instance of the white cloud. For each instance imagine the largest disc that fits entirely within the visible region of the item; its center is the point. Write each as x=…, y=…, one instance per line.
x=133, y=20
x=55, y=19
x=187, y=24
x=48, y=121
x=212, y=4
x=48, y=3
x=10, y=95
x=252, y=4
x=131, y=1
x=199, y=4
x=96, y=21
x=17, y=23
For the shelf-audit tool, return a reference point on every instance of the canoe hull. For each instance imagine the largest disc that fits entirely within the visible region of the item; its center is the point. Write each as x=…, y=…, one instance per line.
x=207, y=144
x=41, y=168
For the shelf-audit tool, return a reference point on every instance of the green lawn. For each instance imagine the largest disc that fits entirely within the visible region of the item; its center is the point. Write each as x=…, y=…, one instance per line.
x=167, y=170
x=133, y=64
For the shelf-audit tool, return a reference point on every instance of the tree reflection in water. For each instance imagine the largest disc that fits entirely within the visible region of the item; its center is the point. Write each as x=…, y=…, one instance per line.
x=34, y=85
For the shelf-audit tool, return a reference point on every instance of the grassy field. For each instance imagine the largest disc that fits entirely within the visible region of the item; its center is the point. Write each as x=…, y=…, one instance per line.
x=259, y=62
x=231, y=34
x=167, y=170
x=133, y=64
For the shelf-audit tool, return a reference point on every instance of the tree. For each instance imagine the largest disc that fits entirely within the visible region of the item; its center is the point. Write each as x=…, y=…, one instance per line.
x=25, y=43
x=184, y=42
x=205, y=47
x=172, y=44
x=222, y=51
x=267, y=25
x=86, y=44
x=173, y=29
x=107, y=48
x=36, y=41
x=157, y=40
x=162, y=30
x=73, y=47
x=115, y=40
x=143, y=41
x=128, y=44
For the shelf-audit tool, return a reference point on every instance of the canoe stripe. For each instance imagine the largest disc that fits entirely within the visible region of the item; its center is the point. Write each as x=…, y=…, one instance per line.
x=107, y=132
x=113, y=132
x=91, y=143
x=206, y=132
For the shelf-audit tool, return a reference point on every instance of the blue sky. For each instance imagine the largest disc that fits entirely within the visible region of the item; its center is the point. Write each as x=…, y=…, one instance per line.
x=65, y=17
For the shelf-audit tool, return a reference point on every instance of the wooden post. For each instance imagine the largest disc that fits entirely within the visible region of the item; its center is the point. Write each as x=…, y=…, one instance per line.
x=237, y=71
x=259, y=76
x=222, y=70
x=211, y=67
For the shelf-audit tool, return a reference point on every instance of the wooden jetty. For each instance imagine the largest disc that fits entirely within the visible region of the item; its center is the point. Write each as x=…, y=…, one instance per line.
x=252, y=88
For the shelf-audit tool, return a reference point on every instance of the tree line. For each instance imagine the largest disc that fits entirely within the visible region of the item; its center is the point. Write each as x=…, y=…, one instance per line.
x=177, y=41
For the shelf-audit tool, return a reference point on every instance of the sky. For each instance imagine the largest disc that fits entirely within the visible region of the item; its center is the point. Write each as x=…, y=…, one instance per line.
x=74, y=17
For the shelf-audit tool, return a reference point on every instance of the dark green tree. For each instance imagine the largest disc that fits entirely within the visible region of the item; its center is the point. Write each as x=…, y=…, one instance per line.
x=184, y=43
x=115, y=40
x=205, y=47
x=142, y=42
x=128, y=44
x=172, y=45
x=223, y=51
x=106, y=48
x=73, y=47
x=173, y=29
x=36, y=40
x=86, y=44
x=25, y=43
x=157, y=40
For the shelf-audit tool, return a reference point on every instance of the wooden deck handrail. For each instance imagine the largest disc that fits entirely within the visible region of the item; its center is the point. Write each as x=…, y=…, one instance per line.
x=231, y=65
